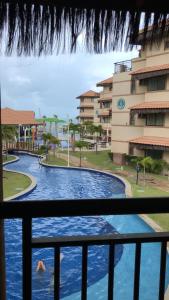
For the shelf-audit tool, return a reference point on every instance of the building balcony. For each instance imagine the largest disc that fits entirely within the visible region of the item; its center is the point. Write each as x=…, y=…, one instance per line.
x=122, y=66
x=86, y=115
x=87, y=106
x=105, y=112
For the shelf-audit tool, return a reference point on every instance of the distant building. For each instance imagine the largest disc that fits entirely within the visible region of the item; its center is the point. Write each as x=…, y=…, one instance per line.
x=23, y=119
x=105, y=107
x=87, y=106
x=140, y=108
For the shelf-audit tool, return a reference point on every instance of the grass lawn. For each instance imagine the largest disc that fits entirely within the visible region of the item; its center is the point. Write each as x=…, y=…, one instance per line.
x=54, y=160
x=9, y=158
x=14, y=183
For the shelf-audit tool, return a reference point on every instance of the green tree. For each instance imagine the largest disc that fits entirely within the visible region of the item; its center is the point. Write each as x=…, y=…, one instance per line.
x=56, y=142
x=46, y=140
x=9, y=133
x=74, y=128
x=146, y=163
x=81, y=144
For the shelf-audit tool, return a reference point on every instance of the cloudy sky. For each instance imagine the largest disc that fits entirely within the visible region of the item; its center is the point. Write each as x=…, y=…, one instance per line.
x=49, y=85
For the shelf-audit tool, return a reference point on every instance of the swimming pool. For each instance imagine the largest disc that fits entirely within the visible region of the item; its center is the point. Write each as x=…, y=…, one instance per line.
x=53, y=183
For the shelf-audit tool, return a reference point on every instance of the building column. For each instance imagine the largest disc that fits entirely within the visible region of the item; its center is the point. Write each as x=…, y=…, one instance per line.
x=19, y=133
x=25, y=131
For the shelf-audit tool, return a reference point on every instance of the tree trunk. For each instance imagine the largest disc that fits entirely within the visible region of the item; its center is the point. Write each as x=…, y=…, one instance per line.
x=6, y=150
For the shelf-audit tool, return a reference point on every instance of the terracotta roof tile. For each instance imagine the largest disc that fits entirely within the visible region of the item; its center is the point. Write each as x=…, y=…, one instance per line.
x=107, y=81
x=15, y=117
x=150, y=69
x=151, y=140
x=90, y=94
x=152, y=104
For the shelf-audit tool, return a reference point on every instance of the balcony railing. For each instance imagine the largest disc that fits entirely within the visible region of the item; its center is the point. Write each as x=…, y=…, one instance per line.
x=122, y=66
x=86, y=207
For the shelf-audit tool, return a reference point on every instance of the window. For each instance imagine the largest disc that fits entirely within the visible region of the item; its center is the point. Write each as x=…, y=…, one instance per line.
x=155, y=154
x=105, y=120
x=132, y=119
x=92, y=100
x=110, y=88
x=155, y=119
x=156, y=83
x=106, y=105
x=133, y=86
x=166, y=45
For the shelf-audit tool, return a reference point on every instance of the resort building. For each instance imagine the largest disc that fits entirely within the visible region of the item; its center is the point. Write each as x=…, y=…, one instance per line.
x=105, y=107
x=87, y=108
x=140, y=107
x=23, y=119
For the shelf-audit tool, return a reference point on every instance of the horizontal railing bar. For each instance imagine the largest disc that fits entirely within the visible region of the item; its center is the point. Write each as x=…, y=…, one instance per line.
x=130, y=238
x=83, y=207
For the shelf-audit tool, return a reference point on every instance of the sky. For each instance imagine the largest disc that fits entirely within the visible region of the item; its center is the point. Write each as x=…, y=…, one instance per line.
x=50, y=84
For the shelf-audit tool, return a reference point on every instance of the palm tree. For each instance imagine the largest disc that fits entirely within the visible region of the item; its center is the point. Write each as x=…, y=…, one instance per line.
x=95, y=130
x=9, y=133
x=146, y=163
x=74, y=128
x=55, y=141
x=46, y=140
x=81, y=144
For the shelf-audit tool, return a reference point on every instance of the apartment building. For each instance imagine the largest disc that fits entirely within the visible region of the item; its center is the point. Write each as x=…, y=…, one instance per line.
x=140, y=107
x=105, y=107
x=88, y=106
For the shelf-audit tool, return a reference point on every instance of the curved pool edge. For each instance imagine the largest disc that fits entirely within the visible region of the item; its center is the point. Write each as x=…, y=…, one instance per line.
x=16, y=158
x=29, y=189
x=127, y=185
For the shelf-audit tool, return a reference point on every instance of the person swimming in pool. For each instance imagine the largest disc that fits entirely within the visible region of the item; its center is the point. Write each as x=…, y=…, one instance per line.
x=40, y=266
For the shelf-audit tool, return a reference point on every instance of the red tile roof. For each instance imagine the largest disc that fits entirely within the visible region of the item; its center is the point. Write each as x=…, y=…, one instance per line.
x=90, y=94
x=107, y=81
x=15, y=117
x=150, y=69
x=152, y=104
x=151, y=140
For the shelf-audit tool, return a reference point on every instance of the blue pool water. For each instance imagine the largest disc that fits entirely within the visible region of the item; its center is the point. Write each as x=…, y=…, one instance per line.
x=55, y=183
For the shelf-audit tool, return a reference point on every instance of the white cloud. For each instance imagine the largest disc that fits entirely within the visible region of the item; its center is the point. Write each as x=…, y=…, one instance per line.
x=52, y=83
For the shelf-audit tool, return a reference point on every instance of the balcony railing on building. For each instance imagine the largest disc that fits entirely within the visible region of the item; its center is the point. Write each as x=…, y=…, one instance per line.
x=122, y=66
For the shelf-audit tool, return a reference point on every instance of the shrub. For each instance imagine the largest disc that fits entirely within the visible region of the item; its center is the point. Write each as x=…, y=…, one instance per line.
x=158, y=166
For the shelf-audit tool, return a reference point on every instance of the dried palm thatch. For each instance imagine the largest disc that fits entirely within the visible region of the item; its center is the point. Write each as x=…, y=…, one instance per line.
x=36, y=27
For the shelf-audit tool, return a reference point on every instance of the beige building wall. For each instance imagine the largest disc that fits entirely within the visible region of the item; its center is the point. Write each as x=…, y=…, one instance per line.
x=86, y=109
x=104, y=113
x=122, y=132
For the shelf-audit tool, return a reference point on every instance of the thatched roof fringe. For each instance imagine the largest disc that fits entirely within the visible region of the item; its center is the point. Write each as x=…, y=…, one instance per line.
x=36, y=29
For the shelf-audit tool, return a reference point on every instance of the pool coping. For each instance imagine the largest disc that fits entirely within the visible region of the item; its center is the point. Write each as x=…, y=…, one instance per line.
x=29, y=189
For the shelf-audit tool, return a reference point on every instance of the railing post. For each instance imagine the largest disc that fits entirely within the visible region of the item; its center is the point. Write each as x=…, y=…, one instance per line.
x=84, y=272
x=2, y=263
x=56, y=273
x=27, y=258
x=111, y=272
